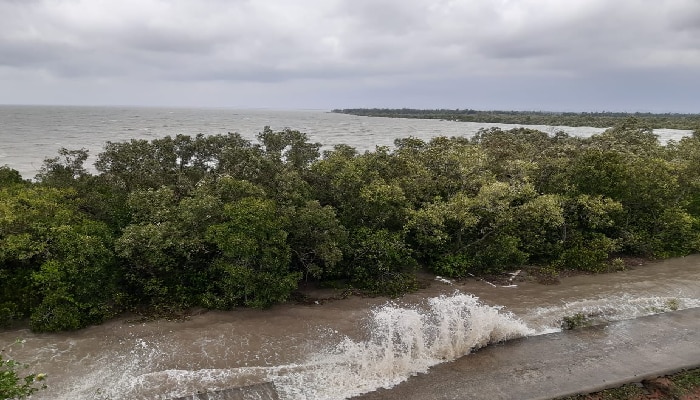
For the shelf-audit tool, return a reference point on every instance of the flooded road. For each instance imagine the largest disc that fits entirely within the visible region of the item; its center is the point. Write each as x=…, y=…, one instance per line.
x=337, y=349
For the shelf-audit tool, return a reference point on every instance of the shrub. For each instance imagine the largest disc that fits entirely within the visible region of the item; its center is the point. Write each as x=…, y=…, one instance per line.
x=578, y=320
x=15, y=386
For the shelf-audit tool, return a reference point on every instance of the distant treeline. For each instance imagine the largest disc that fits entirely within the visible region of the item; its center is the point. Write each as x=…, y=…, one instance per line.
x=221, y=222
x=594, y=119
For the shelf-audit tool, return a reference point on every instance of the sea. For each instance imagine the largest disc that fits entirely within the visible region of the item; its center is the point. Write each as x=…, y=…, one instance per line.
x=30, y=134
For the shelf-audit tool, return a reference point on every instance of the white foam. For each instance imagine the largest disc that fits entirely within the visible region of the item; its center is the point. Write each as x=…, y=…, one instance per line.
x=443, y=280
x=606, y=309
x=403, y=341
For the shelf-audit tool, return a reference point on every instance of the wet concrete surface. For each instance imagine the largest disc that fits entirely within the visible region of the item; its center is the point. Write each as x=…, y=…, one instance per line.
x=263, y=391
x=565, y=363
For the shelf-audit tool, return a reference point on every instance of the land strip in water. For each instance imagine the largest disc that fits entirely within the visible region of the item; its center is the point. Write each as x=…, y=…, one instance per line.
x=594, y=119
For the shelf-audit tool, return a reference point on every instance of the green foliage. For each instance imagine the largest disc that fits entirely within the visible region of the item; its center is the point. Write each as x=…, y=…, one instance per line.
x=498, y=254
x=289, y=146
x=164, y=249
x=685, y=382
x=56, y=312
x=512, y=154
x=677, y=233
x=379, y=260
x=539, y=225
x=672, y=304
x=178, y=163
x=685, y=156
x=392, y=285
x=454, y=265
x=13, y=385
x=575, y=321
x=9, y=312
x=316, y=240
x=618, y=264
x=681, y=385
x=451, y=166
x=9, y=176
x=588, y=237
x=255, y=258
x=363, y=189
x=631, y=135
x=52, y=255
x=472, y=234
x=64, y=170
x=78, y=284
x=220, y=222
x=603, y=173
x=590, y=254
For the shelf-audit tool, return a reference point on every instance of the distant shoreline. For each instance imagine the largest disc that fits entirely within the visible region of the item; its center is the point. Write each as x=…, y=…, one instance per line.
x=573, y=119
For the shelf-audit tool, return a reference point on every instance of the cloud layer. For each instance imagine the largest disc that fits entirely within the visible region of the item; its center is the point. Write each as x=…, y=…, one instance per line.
x=635, y=55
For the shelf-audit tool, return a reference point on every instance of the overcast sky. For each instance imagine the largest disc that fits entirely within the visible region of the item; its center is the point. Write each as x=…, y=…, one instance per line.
x=575, y=55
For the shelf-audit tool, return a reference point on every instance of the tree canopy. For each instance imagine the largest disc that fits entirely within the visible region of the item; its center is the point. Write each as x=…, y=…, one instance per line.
x=222, y=222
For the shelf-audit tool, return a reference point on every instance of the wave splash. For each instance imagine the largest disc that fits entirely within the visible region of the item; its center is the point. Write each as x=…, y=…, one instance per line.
x=403, y=341
x=606, y=309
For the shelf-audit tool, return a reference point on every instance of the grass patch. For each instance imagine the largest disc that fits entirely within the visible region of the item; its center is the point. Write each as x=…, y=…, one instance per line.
x=683, y=385
x=578, y=320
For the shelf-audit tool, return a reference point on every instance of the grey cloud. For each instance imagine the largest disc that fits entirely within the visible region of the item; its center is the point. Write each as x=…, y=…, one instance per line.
x=393, y=17
x=366, y=45
x=162, y=41
x=597, y=35
x=19, y=55
x=684, y=15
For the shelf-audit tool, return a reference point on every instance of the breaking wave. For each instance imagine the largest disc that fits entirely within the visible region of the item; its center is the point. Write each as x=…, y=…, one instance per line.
x=403, y=342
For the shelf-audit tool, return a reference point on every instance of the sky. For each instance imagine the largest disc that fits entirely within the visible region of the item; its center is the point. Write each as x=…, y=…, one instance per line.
x=542, y=55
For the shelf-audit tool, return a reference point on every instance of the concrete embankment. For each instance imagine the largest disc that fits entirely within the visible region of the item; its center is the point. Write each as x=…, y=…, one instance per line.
x=564, y=363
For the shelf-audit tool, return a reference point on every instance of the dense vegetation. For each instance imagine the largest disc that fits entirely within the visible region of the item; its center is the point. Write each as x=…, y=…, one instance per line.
x=220, y=222
x=596, y=119
x=13, y=383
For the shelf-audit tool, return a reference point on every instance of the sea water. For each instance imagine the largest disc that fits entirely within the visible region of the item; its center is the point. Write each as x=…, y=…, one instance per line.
x=30, y=134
